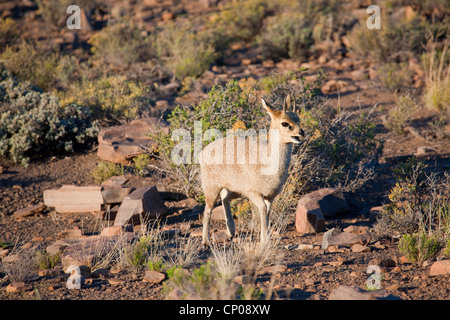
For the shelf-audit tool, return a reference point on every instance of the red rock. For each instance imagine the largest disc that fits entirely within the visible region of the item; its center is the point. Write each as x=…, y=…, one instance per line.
x=71, y=233
x=115, y=230
x=29, y=211
x=440, y=267
x=144, y=201
x=119, y=144
x=309, y=216
x=154, y=276
x=15, y=287
x=70, y=198
x=331, y=201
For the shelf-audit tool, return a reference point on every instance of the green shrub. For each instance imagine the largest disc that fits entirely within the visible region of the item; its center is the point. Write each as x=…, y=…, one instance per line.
x=31, y=62
x=394, y=76
x=288, y=35
x=105, y=170
x=113, y=97
x=239, y=20
x=419, y=203
x=34, y=123
x=419, y=247
x=400, y=115
x=120, y=45
x=8, y=32
x=141, y=162
x=437, y=78
x=203, y=283
x=394, y=42
x=185, y=52
x=47, y=261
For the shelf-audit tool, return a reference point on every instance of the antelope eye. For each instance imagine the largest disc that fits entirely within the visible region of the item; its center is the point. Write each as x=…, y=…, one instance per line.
x=285, y=124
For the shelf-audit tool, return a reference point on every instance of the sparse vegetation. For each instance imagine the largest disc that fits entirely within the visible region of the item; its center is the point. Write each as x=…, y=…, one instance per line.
x=31, y=122
x=105, y=170
x=400, y=115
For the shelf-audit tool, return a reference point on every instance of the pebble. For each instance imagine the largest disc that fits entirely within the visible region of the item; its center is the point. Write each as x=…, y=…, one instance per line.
x=115, y=281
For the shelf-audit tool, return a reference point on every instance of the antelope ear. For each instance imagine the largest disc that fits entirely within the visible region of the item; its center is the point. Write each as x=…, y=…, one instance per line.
x=267, y=107
x=287, y=103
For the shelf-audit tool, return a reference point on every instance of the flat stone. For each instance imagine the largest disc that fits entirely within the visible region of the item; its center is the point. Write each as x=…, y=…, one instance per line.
x=119, y=144
x=29, y=211
x=440, y=267
x=154, y=277
x=355, y=293
x=74, y=199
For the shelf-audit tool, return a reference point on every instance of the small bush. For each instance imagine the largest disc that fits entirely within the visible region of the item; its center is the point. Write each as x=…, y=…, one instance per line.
x=8, y=32
x=394, y=76
x=394, y=42
x=120, y=45
x=419, y=203
x=400, y=115
x=47, y=261
x=34, y=123
x=419, y=247
x=289, y=35
x=114, y=97
x=204, y=283
x=185, y=52
x=238, y=21
x=31, y=62
x=437, y=78
x=141, y=162
x=105, y=170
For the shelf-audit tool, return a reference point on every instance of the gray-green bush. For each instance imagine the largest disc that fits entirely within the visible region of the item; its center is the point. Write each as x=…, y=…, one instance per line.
x=33, y=123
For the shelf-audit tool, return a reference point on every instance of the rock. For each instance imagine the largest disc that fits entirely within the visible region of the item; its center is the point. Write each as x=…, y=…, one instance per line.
x=302, y=246
x=359, y=74
x=100, y=272
x=69, y=233
x=154, y=277
x=421, y=151
x=114, y=194
x=355, y=293
x=119, y=144
x=218, y=213
x=375, y=213
x=29, y=211
x=74, y=199
x=440, y=267
x=88, y=250
x=334, y=86
x=219, y=236
x=309, y=217
x=115, y=281
x=357, y=248
x=356, y=229
x=277, y=268
x=116, y=180
x=143, y=202
x=115, y=230
x=331, y=201
x=336, y=238
x=15, y=287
